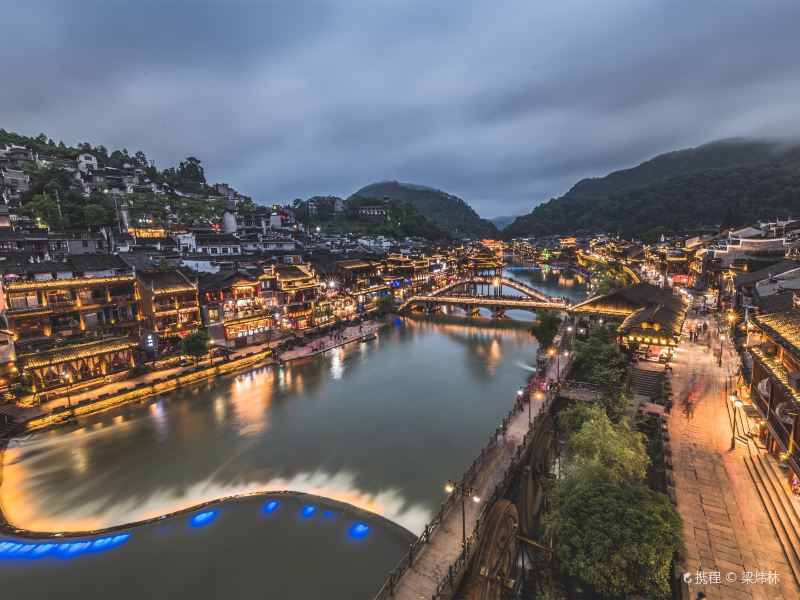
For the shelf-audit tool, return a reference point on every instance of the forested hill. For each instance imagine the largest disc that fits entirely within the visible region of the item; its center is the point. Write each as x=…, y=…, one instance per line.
x=727, y=183
x=720, y=154
x=725, y=197
x=449, y=212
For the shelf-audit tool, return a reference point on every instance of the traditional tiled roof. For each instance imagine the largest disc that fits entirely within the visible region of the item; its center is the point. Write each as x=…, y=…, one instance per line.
x=754, y=277
x=639, y=304
x=166, y=282
x=290, y=273
x=225, y=278
x=783, y=327
x=75, y=351
x=775, y=302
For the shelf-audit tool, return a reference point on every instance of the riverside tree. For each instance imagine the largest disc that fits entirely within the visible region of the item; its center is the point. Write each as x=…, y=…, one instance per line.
x=609, y=529
x=196, y=344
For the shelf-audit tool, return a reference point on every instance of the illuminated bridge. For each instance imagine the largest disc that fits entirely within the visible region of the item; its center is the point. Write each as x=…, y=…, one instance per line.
x=473, y=293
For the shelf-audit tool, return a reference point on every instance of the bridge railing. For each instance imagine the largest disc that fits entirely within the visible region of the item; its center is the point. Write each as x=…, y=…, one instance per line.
x=405, y=563
x=448, y=582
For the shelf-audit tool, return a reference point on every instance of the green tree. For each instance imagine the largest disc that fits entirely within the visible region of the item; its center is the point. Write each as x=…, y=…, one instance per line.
x=606, y=452
x=45, y=210
x=383, y=304
x=619, y=540
x=196, y=344
x=95, y=215
x=546, y=327
x=191, y=170
x=572, y=418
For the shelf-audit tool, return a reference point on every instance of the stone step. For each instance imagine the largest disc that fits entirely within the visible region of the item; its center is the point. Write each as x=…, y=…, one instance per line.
x=770, y=470
x=787, y=535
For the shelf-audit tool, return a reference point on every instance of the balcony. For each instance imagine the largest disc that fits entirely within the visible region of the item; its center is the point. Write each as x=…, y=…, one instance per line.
x=164, y=308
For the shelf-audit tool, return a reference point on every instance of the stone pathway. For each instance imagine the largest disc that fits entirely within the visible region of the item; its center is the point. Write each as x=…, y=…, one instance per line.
x=325, y=343
x=726, y=528
x=431, y=565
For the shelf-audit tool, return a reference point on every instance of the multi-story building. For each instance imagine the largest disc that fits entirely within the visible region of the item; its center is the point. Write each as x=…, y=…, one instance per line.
x=775, y=384
x=405, y=275
x=71, y=321
x=237, y=307
x=296, y=291
x=168, y=304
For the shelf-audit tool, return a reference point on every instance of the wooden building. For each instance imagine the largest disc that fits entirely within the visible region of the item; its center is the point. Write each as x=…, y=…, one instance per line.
x=650, y=316
x=168, y=304
x=775, y=383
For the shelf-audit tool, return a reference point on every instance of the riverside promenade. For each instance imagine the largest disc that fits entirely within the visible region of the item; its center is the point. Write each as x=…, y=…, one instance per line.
x=726, y=529
x=430, y=564
x=342, y=336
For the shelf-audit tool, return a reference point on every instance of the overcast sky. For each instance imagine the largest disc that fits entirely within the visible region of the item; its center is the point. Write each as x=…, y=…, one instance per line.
x=505, y=104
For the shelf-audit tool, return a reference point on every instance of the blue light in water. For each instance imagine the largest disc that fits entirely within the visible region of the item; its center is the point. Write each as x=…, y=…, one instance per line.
x=327, y=514
x=359, y=530
x=15, y=550
x=308, y=511
x=271, y=506
x=204, y=518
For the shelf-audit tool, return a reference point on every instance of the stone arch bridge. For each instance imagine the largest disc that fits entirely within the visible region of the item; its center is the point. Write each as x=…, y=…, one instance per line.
x=473, y=293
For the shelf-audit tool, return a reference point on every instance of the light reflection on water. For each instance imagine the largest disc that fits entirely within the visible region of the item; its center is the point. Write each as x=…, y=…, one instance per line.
x=378, y=424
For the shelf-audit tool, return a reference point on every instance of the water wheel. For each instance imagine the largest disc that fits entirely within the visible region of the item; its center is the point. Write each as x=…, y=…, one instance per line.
x=493, y=570
x=531, y=489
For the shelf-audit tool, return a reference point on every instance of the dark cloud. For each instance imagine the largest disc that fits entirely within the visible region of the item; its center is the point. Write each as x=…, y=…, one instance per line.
x=504, y=104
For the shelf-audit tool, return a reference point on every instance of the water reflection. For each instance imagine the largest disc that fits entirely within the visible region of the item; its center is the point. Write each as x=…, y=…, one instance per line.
x=371, y=424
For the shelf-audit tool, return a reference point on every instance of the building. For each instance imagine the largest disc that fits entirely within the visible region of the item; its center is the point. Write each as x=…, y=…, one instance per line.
x=235, y=309
x=71, y=321
x=296, y=291
x=168, y=305
x=774, y=345
x=651, y=318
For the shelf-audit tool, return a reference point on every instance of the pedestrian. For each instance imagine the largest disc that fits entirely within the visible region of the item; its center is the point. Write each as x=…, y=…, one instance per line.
x=705, y=326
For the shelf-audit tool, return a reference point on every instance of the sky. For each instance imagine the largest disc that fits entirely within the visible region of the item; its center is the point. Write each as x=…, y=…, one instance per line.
x=505, y=104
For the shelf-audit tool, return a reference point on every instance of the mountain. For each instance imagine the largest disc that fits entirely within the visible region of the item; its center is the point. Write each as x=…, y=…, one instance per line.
x=449, y=212
x=502, y=222
x=726, y=183
x=720, y=154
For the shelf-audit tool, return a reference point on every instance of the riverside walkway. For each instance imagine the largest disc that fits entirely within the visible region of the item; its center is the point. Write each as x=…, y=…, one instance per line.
x=11, y=415
x=422, y=572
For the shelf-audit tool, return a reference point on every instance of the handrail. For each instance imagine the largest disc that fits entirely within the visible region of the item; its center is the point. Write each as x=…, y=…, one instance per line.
x=387, y=590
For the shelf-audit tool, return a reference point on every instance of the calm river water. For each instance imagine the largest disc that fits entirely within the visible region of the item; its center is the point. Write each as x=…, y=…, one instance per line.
x=380, y=425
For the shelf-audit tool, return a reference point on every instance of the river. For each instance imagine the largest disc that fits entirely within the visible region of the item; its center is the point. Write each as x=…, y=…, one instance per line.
x=379, y=425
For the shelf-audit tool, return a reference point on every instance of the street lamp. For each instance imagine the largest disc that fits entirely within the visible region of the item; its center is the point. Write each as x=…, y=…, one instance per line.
x=519, y=395
x=721, y=340
x=734, y=399
x=463, y=490
x=68, y=378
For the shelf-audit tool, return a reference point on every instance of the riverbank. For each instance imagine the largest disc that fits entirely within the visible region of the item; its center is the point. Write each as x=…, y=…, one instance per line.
x=159, y=383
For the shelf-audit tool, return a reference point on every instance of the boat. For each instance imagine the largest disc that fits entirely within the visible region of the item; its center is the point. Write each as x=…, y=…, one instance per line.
x=369, y=338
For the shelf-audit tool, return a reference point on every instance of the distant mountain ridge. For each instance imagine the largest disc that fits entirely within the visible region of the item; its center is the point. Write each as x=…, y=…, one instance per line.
x=449, y=212
x=502, y=222
x=719, y=154
x=726, y=182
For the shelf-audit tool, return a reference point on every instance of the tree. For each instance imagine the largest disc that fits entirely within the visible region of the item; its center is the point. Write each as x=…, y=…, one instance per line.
x=572, y=418
x=606, y=452
x=45, y=210
x=619, y=540
x=383, y=304
x=196, y=344
x=191, y=170
x=545, y=328
x=95, y=215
